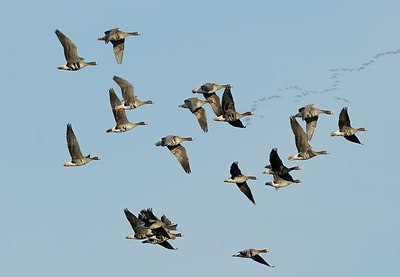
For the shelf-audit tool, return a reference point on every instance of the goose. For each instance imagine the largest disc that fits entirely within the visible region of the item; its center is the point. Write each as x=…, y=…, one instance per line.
x=173, y=143
x=74, y=62
x=253, y=254
x=345, y=128
x=302, y=145
x=240, y=180
x=209, y=88
x=130, y=100
x=229, y=112
x=310, y=114
x=123, y=125
x=117, y=39
x=140, y=233
x=77, y=159
x=276, y=165
x=282, y=181
x=195, y=105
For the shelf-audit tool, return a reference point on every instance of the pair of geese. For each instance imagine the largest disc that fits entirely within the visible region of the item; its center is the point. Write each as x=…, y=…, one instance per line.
x=75, y=62
x=150, y=229
x=282, y=177
x=224, y=110
x=310, y=114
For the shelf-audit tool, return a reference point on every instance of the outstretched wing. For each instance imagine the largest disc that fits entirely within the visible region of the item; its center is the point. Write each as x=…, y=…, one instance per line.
x=214, y=102
x=127, y=89
x=70, y=50
x=180, y=153
x=119, y=114
x=344, y=119
x=300, y=136
x=73, y=145
x=235, y=170
x=260, y=260
x=246, y=191
x=118, y=47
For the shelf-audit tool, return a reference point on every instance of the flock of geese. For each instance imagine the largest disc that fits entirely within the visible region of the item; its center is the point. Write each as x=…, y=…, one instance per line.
x=148, y=227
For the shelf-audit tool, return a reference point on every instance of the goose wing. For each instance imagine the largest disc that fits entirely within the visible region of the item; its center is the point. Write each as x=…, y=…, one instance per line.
x=344, y=119
x=167, y=245
x=260, y=260
x=201, y=116
x=353, y=138
x=180, y=153
x=73, y=145
x=133, y=220
x=70, y=50
x=235, y=170
x=118, y=47
x=300, y=136
x=127, y=89
x=119, y=114
x=228, y=105
x=274, y=159
x=310, y=126
x=246, y=191
x=214, y=102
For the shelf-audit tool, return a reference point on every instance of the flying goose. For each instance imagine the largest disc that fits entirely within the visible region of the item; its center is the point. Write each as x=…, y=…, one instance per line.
x=174, y=145
x=130, y=100
x=77, y=158
x=310, y=114
x=229, y=112
x=345, y=128
x=195, y=105
x=209, y=88
x=253, y=254
x=240, y=180
x=282, y=181
x=123, y=124
x=74, y=62
x=276, y=165
x=304, y=149
x=136, y=224
x=117, y=39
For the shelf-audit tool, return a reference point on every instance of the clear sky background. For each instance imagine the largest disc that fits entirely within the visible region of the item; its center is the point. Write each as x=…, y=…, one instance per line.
x=343, y=220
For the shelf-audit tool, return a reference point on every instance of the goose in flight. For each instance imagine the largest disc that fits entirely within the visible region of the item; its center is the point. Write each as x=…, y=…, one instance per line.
x=310, y=114
x=240, y=180
x=195, y=105
x=128, y=95
x=282, y=181
x=74, y=62
x=173, y=143
x=229, y=112
x=304, y=149
x=117, y=39
x=345, y=128
x=123, y=124
x=77, y=159
x=209, y=88
x=253, y=254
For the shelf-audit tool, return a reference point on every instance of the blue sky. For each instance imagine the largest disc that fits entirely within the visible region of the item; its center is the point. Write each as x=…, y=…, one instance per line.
x=342, y=220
